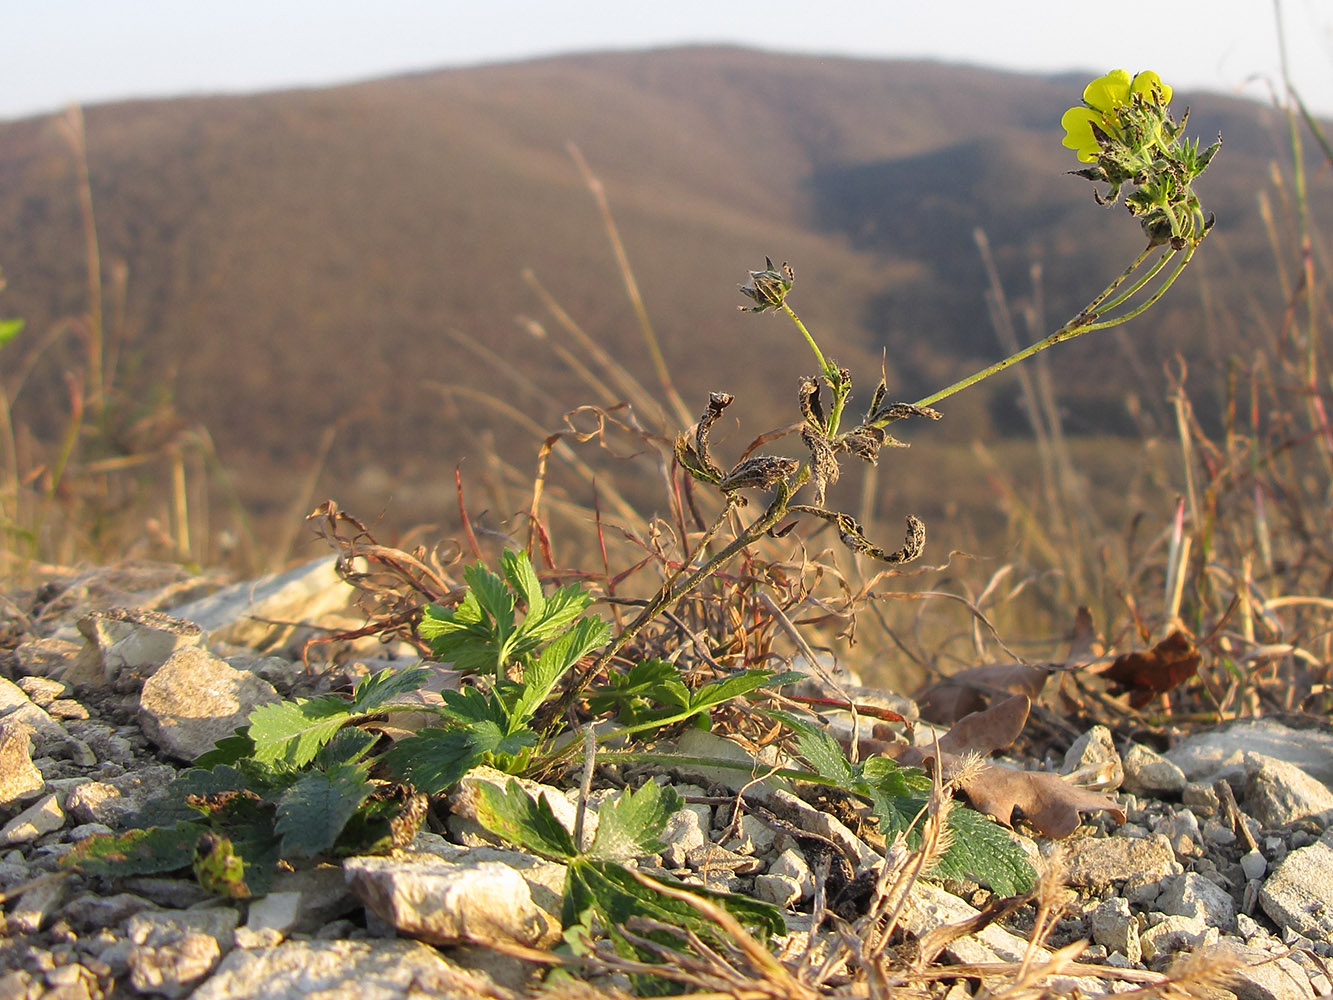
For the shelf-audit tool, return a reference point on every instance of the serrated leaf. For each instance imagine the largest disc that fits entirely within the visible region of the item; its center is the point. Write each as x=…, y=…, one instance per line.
x=497, y=603
x=818, y=749
x=293, y=731
x=559, y=610
x=517, y=817
x=148, y=851
x=433, y=760
x=651, y=689
x=312, y=813
x=374, y=692
x=228, y=750
x=984, y=852
x=561, y=654
x=522, y=579
x=347, y=747
x=631, y=824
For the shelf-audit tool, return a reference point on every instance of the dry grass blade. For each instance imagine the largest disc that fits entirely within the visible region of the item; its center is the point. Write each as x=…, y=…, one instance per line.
x=774, y=974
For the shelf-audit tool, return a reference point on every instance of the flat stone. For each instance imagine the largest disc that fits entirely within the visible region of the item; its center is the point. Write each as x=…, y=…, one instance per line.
x=700, y=743
x=1298, y=895
x=19, y=778
x=685, y=831
x=344, y=970
x=1093, y=762
x=34, y=909
x=425, y=897
x=110, y=802
x=1113, y=927
x=1253, y=864
x=126, y=645
x=930, y=907
x=46, y=657
x=777, y=889
x=49, y=736
x=1097, y=862
x=269, y=920
x=1266, y=977
x=253, y=613
x=1278, y=793
x=1174, y=934
x=1192, y=895
x=1220, y=752
x=43, y=816
x=195, y=699
x=800, y=813
x=792, y=864
x=1149, y=774
x=174, y=951
x=546, y=879
x=90, y=912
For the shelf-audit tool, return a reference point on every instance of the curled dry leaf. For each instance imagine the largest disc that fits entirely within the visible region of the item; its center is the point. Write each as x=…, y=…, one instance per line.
x=1047, y=801
x=971, y=690
x=1148, y=673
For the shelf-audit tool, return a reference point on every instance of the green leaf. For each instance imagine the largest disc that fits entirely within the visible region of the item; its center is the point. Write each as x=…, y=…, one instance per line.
x=561, y=654
x=513, y=815
x=984, y=852
x=389, y=820
x=228, y=750
x=347, y=747
x=522, y=579
x=818, y=749
x=312, y=813
x=631, y=824
x=373, y=692
x=558, y=612
x=219, y=869
x=462, y=636
x=149, y=851
x=435, y=759
x=716, y=692
x=293, y=731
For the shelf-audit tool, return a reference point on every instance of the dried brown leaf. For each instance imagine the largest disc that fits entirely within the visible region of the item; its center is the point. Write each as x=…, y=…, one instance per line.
x=970, y=690
x=1047, y=801
x=1148, y=673
x=990, y=730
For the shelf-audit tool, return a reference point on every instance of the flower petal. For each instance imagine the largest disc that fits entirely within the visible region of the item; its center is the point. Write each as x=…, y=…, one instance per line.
x=1077, y=124
x=1108, y=92
x=1145, y=82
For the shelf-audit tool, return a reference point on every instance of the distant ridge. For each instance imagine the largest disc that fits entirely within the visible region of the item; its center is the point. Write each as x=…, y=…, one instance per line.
x=295, y=259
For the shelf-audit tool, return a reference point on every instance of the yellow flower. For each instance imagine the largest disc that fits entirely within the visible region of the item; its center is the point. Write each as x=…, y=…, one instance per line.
x=1101, y=99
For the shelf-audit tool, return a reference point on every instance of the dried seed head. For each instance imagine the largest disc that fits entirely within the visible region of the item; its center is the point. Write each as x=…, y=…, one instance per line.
x=759, y=472
x=824, y=470
x=768, y=287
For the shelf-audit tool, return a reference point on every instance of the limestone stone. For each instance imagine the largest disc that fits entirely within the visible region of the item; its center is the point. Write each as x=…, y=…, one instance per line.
x=684, y=832
x=345, y=970
x=1114, y=928
x=1298, y=895
x=111, y=802
x=195, y=698
x=1174, y=933
x=423, y=896
x=1278, y=793
x=126, y=645
x=1148, y=773
x=43, y=816
x=173, y=951
x=1267, y=977
x=1220, y=752
x=1192, y=895
x=19, y=778
x=1096, y=863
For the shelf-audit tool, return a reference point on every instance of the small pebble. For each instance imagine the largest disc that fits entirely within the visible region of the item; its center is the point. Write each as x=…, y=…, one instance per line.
x=1253, y=865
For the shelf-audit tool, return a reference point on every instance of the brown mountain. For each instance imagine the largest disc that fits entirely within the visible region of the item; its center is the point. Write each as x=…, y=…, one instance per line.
x=298, y=260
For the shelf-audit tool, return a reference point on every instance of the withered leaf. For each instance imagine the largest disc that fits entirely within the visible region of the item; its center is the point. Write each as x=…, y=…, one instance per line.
x=1148, y=673
x=1048, y=802
x=989, y=730
x=824, y=469
x=971, y=690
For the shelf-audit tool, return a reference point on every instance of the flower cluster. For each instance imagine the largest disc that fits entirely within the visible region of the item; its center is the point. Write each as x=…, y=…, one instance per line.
x=1125, y=130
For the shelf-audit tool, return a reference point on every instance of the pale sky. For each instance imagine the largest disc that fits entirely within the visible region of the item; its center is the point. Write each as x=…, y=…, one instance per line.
x=53, y=52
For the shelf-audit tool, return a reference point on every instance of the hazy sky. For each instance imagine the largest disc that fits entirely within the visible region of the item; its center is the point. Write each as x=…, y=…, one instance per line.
x=57, y=51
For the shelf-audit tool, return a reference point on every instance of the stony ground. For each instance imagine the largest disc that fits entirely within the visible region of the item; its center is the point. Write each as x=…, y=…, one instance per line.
x=111, y=682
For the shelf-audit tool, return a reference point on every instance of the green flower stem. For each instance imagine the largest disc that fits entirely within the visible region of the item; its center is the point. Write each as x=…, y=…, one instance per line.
x=830, y=372
x=1133, y=289
x=1084, y=321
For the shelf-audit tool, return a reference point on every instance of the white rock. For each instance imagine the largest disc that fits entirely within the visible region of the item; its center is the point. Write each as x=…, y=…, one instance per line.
x=34, y=908
x=1298, y=895
x=41, y=817
x=1175, y=933
x=1278, y=793
x=1113, y=926
x=426, y=897
x=684, y=832
x=1148, y=773
x=125, y=645
x=777, y=889
x=195, y=698
x=343, y=970
x=1093, y=761
x=1192, y=895
x=173, y=951
x=1253, y=864
x=19, y=779
x=1220, y=752
x=792, y=864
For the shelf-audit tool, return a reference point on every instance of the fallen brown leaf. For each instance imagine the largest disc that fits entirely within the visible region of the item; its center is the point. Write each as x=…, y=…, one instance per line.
x=1048, y=802
x=993, y=729
x=1148, y=673
x=971, y=690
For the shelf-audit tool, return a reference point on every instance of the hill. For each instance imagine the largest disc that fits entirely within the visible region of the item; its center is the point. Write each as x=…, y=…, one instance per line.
x=311, y=259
